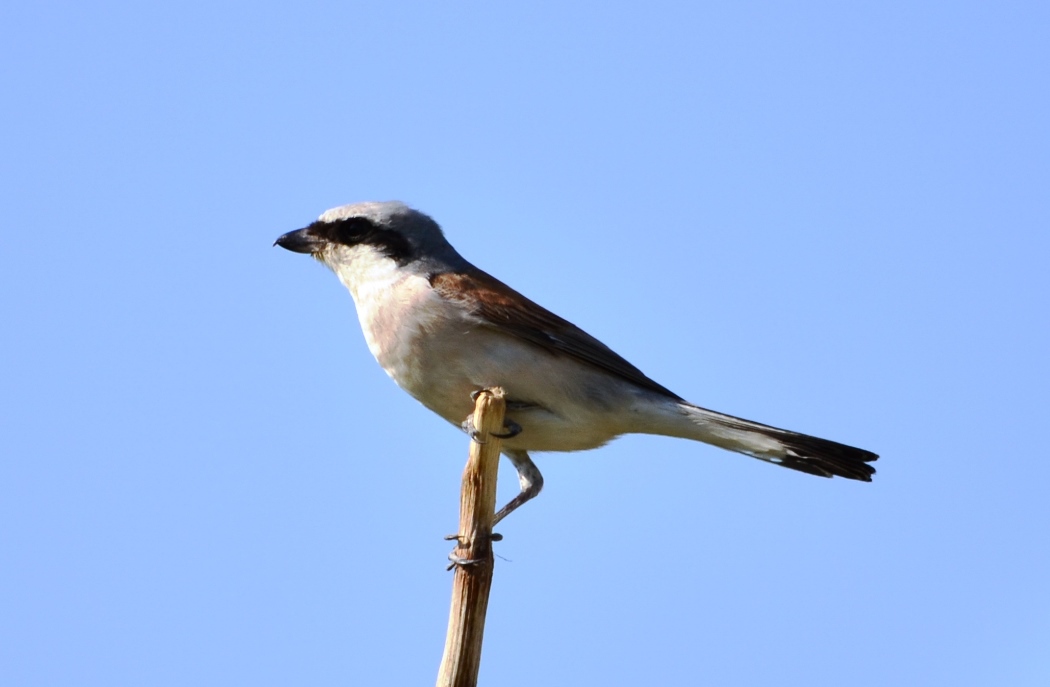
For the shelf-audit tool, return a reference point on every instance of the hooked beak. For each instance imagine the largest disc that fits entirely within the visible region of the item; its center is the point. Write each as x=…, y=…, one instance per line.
x=301, y=241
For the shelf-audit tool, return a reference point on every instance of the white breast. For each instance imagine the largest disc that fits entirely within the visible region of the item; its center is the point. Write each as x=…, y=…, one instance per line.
x=398, y=311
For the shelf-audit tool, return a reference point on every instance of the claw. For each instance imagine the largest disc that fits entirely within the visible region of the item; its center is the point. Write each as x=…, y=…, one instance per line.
x=513, y=430
x=459, y=560
x=462, y=562
x=471, y=430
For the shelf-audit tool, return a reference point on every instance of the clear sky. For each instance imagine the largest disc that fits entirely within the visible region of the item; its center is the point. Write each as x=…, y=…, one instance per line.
x=829, y=217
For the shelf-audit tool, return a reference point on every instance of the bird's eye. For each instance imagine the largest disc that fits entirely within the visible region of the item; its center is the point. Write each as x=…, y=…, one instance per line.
x=350, y=231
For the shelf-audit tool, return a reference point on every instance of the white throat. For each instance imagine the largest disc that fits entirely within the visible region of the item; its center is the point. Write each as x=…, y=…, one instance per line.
x=364, y=270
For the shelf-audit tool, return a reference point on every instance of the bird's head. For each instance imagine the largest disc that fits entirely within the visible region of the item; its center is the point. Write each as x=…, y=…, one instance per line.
x=374, y=231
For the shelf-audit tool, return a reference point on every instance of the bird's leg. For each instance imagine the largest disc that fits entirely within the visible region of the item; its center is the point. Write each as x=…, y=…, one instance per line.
x=531, y=482
x=528, y=476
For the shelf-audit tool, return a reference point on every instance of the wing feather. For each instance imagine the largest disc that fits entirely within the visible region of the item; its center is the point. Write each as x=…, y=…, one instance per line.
x=507, y=310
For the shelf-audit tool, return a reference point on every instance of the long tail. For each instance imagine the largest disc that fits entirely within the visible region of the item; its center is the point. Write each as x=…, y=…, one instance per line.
x=780, y=446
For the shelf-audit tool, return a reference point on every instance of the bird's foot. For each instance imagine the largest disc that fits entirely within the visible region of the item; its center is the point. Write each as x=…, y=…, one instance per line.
x=471, y=429
x=457, y=560
x=513, y=430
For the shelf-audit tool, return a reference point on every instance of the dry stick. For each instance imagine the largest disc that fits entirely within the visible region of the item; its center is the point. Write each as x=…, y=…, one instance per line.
x=473, y=576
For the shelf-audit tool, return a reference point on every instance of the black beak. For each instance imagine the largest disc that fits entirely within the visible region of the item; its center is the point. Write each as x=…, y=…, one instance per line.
x=300, y=241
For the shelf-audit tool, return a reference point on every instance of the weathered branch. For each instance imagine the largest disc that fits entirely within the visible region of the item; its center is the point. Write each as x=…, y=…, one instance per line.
x=472, y=557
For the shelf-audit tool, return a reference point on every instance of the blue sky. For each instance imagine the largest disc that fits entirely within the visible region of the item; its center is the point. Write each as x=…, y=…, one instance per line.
x=830, y=217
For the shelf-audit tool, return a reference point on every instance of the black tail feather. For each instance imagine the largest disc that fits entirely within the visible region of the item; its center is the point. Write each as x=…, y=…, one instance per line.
x=823, y=457
x=800, y=452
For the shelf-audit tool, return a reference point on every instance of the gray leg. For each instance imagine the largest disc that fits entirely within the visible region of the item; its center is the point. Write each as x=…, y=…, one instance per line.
x=528, y=476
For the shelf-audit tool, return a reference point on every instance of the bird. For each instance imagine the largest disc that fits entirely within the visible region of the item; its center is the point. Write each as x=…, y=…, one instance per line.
x=444, y=330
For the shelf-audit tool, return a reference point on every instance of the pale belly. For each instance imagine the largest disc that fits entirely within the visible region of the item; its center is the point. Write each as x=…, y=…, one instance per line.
x=560, y=404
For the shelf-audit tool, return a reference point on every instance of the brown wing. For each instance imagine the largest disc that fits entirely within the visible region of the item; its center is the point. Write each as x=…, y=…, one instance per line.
x=506, y=309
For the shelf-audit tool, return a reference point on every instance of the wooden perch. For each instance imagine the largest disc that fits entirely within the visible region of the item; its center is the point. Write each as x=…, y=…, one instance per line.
x=472, y=557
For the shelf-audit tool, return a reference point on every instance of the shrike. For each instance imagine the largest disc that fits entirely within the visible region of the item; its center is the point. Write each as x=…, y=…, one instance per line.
x=443, y=329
